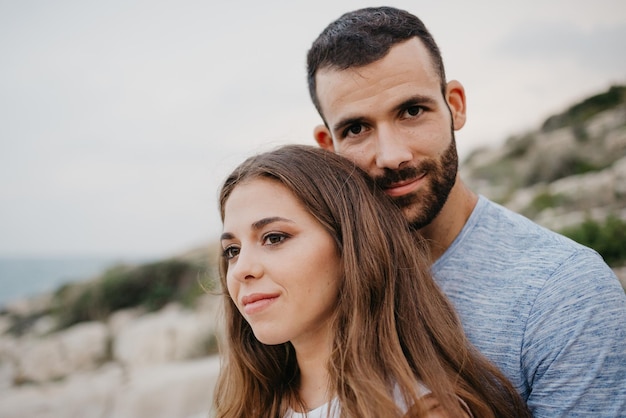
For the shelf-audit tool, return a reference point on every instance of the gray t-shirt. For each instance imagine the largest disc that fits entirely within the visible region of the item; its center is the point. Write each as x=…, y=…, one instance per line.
x=546, y=310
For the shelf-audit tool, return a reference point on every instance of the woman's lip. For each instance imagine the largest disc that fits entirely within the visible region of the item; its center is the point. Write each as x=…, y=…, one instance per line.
x=257, y=301
x=404, y=187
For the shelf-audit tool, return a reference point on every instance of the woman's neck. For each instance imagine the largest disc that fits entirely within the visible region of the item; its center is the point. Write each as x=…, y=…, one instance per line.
x=314, y=378
x=313, y=384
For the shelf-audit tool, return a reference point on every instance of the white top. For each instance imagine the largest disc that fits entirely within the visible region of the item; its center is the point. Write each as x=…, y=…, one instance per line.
x=332, y=409
x=328, y=410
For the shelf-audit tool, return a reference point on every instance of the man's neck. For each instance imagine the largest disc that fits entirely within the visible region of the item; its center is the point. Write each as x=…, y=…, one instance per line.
x=443, y=230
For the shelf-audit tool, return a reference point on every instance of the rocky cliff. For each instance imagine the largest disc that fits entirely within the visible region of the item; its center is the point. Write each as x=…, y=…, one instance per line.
x=570, y=169
x=136, y=361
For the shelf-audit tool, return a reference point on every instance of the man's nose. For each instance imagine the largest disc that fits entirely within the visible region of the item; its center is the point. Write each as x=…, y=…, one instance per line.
x=392, y=149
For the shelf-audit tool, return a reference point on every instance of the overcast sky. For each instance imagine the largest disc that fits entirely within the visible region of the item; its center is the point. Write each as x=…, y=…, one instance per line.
x=119, y=119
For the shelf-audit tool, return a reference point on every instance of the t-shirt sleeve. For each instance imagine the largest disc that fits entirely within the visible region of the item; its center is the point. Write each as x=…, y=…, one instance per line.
x=574, y=350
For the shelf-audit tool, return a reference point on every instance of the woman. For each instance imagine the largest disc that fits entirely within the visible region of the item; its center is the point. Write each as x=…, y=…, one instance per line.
x=330, y=308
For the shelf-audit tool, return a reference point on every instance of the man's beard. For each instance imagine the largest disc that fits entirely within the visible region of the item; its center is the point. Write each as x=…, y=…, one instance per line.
x=421, y=207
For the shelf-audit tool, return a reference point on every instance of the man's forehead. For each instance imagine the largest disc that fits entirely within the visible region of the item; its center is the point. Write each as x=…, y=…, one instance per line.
x=410, y=52
x=406, y=71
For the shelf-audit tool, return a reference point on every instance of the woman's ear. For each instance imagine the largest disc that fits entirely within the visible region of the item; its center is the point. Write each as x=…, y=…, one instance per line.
x=323, y=137
x=455, y=97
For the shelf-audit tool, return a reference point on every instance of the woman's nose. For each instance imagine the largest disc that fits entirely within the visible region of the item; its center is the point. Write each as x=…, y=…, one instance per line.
x=246, y=266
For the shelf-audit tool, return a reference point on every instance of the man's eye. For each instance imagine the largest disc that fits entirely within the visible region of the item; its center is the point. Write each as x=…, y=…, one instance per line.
x=414, y=110
x=230, y=252
x=353, y=130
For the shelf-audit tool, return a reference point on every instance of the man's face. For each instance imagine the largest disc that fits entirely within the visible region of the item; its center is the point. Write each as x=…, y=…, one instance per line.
x=392, y=120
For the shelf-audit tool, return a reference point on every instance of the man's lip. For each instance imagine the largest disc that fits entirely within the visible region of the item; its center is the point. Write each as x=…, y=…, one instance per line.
x=404, y=187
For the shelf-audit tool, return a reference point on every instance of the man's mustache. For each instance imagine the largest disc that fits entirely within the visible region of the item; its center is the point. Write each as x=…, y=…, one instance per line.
x=390, y=177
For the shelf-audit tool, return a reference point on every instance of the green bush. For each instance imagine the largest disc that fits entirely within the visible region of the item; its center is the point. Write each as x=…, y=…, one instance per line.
x=151, y=286
x=544, y=200
x=518, y=146
x=581, y=112
x=607, y=238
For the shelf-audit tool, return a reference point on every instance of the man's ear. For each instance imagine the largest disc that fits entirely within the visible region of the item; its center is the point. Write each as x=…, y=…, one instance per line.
x=323, y=137
x=455, y=96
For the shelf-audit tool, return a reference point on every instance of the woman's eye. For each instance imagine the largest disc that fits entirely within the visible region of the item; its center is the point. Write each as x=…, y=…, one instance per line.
x=230, y=252
x=274, y=238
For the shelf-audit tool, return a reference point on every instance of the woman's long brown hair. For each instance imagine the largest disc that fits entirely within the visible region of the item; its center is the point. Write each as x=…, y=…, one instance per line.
x=392, y=326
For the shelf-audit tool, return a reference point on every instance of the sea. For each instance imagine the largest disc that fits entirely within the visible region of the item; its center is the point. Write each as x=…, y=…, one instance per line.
x=24, y=277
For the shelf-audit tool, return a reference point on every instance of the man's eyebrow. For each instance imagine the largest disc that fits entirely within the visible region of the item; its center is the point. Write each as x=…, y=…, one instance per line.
x=417, y=100
x=348, y=122
x=257, y=225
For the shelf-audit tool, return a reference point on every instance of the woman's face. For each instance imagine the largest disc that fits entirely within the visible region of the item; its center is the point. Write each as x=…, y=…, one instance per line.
x=283, y=266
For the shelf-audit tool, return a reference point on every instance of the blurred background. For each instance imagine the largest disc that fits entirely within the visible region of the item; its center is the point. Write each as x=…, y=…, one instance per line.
x=119, y=120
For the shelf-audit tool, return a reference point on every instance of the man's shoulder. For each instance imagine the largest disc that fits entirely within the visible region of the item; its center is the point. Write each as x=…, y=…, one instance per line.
x=497, y=242
x=508, y=229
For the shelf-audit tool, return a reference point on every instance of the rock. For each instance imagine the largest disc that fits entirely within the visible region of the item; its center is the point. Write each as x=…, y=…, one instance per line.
x=5, y=323
x=29, y=306
x=39, y=360
x=9, y=349
x=182, y=389
x=7, y=373
x=587, y=190
x=81, y=347
x=619, y=170
x=171, y=334
x=609, y=125
x=44, y=325
x=84, y=395
x=85, y=345
x=178, y=390
x=122, y=318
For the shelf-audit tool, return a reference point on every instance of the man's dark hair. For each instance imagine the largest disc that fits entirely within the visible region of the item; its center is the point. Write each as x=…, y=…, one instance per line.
x=363, y=36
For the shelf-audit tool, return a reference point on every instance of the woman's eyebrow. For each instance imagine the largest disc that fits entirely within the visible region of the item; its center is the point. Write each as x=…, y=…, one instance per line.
x=266, y=221
x=226, y=235
x=257, y=225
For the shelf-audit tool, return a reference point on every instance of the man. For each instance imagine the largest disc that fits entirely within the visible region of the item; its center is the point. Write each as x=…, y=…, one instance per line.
x=547, y=311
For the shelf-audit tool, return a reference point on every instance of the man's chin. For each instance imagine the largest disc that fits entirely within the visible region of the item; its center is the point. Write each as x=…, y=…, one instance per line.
x=415, y=217
x=420, y=213
x=417, y=224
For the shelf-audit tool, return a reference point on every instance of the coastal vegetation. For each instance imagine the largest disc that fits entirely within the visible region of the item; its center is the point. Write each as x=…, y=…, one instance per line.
x=608, y=238
x=580, y=113
x=150, y=286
